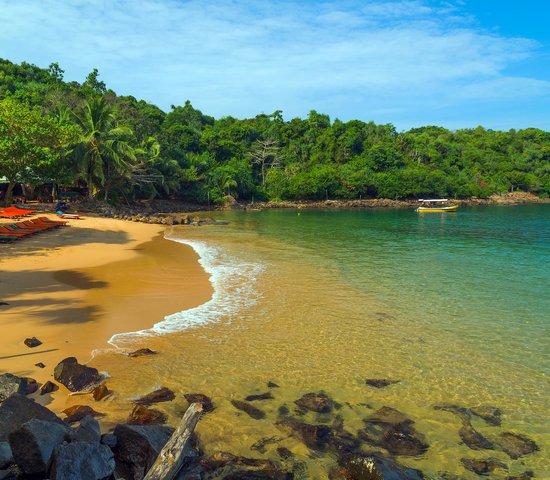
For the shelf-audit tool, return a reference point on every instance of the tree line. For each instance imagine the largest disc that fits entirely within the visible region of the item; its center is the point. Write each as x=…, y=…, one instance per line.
x=123, y=149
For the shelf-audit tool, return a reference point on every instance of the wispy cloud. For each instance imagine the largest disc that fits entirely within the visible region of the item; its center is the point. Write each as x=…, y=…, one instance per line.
x=352, y=59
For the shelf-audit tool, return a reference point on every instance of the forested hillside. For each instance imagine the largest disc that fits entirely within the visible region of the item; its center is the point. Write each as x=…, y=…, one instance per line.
x=122, y=149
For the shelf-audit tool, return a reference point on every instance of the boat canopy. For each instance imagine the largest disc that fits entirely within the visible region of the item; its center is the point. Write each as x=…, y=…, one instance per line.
x=433, y=200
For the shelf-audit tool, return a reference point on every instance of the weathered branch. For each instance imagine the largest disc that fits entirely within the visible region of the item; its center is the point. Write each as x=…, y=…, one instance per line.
x=176, y=451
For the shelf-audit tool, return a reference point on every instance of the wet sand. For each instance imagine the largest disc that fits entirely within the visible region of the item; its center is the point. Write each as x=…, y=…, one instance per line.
x=75, y=287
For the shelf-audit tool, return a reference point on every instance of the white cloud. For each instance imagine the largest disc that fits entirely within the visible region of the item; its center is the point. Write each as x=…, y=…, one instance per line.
x=245, y=57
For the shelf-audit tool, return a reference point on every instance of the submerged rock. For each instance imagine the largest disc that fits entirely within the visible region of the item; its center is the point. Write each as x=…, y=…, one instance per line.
x=207, y=405
x=78, y=412
x=249, y=409
x=11, y=385
x=523, y=476
x=142, y=352
x=32, y=342
x=388, y=415
x=146, y=416
x=373, y=466
x=272, y=385
x=284, y=453
x=100, y=392
x=315, y=437
x=260, y=445
x=316, y=402
x=482, y=466
x=490, y=414
x=380, y=382
x=462, y=412
x=473, y=439
x=261, y=396
x=515, y=445
x=161, y=395
x=17, y=410
x=74, y=376
x=48, y=387
x=33, y=444
x=85, y=461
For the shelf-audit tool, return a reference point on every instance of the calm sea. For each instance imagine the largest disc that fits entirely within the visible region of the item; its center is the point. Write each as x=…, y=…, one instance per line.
x=456, y=307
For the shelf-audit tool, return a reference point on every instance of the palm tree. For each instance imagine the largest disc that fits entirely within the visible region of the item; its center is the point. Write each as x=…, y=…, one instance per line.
x=104, y=151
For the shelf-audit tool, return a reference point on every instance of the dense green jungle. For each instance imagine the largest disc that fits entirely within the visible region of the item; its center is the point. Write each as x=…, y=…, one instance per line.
x=72, y=135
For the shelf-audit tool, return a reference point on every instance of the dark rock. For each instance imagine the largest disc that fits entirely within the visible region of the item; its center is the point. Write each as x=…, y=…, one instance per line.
x=100, y=392
x=380, y=382
x=78, y=412
x=392, y=430
x=316, y=402
x=9, y=474
x=88, y=431
x=17, y=410
x=4, y=303
x=207, y=405
x=48, y=387
x=261, y=396
x=284, y=453
x=222, y=459
x=6, y=456
x=272, y=385
x=482, y=466
x=249, y=409
x=315, y=437
x=10, y=385
x=75, y=376
x=32, y=342
x=515, y=445
x=142, y=352
x=473, y=439
x=40, y=365
x=259, y=446
x=490, y=414
x=82, y=461
x=33, y=444
x=138, y=447
x=283, y=410
x=146, y=416
x=523, y=476
x=109, y=439
x=373, y=466
x=32, y=386
x=161, y=395
x=462, y=412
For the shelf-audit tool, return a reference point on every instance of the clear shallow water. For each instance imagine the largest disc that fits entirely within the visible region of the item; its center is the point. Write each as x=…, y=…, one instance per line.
x=454, y=306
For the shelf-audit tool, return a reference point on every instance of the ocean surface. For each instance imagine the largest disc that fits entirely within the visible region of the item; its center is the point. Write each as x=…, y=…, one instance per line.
x=455, y=306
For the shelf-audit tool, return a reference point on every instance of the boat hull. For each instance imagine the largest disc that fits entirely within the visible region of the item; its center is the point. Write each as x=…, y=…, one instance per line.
x=452, y=208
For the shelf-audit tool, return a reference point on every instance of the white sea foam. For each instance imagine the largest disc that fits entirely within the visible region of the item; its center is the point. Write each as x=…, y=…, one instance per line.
x=233, y=282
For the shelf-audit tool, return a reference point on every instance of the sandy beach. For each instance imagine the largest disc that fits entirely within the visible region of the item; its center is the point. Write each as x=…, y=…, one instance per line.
x=76, y=286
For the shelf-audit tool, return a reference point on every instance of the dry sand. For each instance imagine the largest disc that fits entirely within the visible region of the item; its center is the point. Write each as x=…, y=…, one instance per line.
x=76, y=286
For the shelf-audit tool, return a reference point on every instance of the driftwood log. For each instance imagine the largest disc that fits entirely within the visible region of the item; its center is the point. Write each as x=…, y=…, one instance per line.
x=172, y=457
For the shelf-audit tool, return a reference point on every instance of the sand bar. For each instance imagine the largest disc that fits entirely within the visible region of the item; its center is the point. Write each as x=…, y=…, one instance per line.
x=74, y=287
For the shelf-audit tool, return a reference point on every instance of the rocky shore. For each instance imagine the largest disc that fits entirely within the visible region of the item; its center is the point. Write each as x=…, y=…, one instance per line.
x=35, y=443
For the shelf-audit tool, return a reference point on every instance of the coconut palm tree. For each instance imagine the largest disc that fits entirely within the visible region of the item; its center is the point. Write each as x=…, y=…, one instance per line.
x=103, y=152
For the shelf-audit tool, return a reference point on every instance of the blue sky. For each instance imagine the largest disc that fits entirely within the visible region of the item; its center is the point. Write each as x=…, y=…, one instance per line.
x=455, y=63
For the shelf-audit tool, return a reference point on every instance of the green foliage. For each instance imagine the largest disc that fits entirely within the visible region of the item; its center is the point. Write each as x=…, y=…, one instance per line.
x=131, y=148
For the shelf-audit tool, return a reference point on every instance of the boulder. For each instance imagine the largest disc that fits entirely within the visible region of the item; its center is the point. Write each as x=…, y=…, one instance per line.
x=315, y=437
x=380, y=382
x=88, y=431
x=109, y=439
x=515, y=445
x=17, y=410
x=482, y=466
x=249, y=409
x=373, y=466
x=82, y=461
x=488, y=413
x=75, y=376
x=261, y=396
x=78, y=412
x=32, y=342
x=32, y=386
x=473, y=439
x=146, y=416
x=138, y=447
x=10, y=385
x=34, y=443
x=48, y=387
x=316, y=402
x=207, y=405
x=6, y=456
x=161, y=395
x=100, y=392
